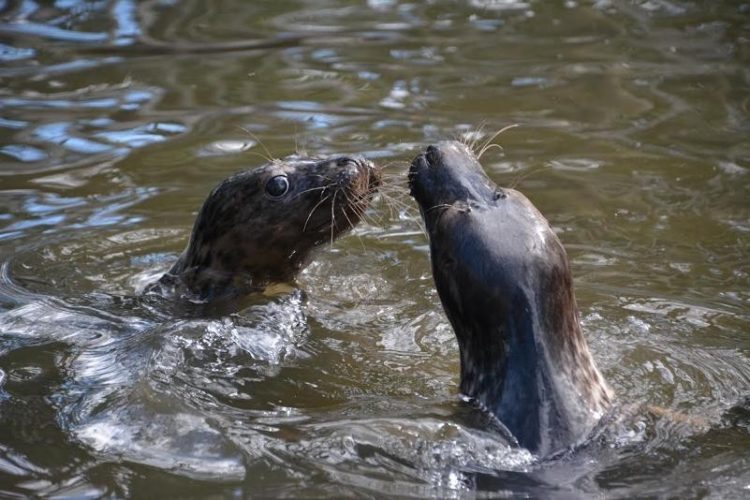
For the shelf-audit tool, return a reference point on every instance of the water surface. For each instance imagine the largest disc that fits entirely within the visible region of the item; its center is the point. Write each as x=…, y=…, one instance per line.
x=117, y=117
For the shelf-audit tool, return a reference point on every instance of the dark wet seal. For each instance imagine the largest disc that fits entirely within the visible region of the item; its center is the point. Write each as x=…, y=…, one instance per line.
x=504, y=281
x=259, y=226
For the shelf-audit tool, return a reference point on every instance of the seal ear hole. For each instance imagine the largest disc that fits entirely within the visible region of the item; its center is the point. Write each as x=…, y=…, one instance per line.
x=277, y=186
x=499, y=195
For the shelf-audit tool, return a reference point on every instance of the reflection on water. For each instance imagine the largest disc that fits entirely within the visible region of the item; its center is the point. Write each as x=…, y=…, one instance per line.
x=117, y=117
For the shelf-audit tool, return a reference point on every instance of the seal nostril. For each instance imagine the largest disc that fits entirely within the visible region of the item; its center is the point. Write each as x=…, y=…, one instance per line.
x=432, y=154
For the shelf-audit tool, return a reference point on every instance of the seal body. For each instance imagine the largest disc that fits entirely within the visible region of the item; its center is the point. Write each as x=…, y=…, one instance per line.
x=504, y=281
x=259, y=226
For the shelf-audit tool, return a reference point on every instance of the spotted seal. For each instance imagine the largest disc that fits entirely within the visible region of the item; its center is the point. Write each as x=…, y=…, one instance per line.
x=504, y=281
x=259, y=226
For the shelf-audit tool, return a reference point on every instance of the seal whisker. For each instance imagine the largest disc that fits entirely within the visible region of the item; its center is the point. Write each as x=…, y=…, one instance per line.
x=374, y=216
x=322, y=200
x=394, y=163
x=522, y=177
x=351, y=224
x=322, y=177
x=494, y=136
x=319, y=188
x=443, y=205
x=470, y=138
x=488, y=147
x=270, y=158
x=387, y=201
x=393, y=189
x=298, y=149
x=354, y=201
x=387, y=176
x=478, y=134
x=260, y=155
x=333, y=214
x=358, y=205
x=392, y=202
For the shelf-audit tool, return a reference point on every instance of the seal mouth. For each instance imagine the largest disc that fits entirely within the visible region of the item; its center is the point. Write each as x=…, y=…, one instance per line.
x=418, y=165
x=348, y=196
x=425, y=178
x=374, y=175
x=365, y=182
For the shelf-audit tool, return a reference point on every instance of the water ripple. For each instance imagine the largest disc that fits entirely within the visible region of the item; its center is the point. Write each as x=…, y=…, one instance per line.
x=118, y=116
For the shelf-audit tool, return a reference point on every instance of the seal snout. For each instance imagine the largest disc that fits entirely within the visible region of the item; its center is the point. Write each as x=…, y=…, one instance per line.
x=373, y=173
x=357, y=174
x=370, y=175
x=432, y=156
x=418, y=164
x=446, y=173
x=424, y=170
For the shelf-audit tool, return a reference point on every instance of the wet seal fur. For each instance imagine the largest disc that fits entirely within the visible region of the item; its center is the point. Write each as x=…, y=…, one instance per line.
x=259, y=226
x=504, y=280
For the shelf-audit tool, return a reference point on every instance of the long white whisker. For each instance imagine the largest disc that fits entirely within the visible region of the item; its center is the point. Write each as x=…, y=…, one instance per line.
x=333, y=214
x=487, y=148
x=494, y=136
x=322, y=200
x=312, y=189
x=269, y=156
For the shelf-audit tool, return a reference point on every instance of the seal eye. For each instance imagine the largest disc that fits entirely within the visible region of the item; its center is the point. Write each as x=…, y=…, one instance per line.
x=277, y=186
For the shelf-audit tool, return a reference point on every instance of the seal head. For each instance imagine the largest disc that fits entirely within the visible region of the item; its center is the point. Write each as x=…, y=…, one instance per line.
x=505, y=283
x=259, y=226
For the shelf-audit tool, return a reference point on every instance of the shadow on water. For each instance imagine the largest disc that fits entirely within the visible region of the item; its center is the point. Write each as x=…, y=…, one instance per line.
x=116, y=119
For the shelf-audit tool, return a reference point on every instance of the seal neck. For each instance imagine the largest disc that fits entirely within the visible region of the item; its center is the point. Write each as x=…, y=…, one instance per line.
x=201, y=277
x=533, y=371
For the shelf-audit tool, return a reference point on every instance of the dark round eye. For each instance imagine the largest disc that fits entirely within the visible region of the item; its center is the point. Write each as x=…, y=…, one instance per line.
x=277, y=186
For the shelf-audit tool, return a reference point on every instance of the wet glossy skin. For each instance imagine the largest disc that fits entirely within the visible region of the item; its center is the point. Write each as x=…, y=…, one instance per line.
x=504, y=281
x=259, y=226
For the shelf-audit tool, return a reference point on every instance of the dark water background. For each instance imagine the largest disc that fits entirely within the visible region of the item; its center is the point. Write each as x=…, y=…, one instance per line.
x=117, y=117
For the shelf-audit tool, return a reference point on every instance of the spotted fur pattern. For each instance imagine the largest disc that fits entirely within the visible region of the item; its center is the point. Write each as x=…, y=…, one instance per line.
x=245, y=238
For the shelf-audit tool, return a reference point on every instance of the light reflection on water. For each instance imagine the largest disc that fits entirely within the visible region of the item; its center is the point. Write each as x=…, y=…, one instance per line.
x=117, y=117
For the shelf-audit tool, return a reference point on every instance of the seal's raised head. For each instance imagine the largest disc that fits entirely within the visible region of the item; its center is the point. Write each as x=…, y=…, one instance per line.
x=448, y=173
x=504, y=281
x=260, y=226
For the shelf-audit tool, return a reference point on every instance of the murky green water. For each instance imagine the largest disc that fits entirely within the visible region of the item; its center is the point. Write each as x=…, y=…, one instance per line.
x=117, y=117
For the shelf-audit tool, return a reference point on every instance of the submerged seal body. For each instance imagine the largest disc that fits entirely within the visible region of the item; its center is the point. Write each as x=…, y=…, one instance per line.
x=504, y=280
x=259, y=226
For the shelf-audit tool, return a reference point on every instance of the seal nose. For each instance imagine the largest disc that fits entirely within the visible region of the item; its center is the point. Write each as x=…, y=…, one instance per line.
x=432, y=154
x=350, y=169
x=373, y=172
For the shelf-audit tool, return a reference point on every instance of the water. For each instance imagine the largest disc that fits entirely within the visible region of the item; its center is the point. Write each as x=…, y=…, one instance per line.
x=117, y=117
